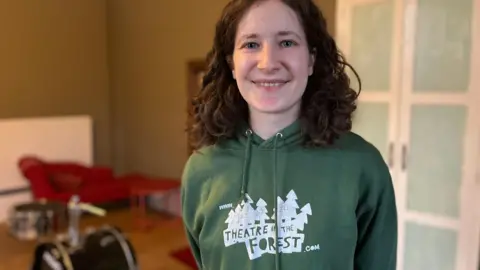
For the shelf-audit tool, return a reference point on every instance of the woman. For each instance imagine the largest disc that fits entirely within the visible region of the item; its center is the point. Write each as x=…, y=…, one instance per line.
x=271, y=129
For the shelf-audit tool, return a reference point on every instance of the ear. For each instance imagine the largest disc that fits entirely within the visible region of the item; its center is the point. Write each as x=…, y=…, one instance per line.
x=311, y=64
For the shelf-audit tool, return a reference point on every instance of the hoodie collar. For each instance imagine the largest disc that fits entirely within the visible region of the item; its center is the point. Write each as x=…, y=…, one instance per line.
x=290, y=136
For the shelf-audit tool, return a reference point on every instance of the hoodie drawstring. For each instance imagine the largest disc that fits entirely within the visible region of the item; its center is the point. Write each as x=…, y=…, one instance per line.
x=246, y=163
x=277, y=221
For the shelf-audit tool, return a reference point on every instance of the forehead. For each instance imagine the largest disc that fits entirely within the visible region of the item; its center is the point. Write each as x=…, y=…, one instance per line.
x=268, y=17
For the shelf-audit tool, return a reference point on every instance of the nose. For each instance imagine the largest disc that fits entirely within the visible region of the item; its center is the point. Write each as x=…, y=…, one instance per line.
x=268, y=59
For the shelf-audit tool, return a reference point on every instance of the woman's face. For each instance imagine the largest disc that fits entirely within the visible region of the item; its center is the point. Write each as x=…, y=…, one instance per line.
x=271, y=60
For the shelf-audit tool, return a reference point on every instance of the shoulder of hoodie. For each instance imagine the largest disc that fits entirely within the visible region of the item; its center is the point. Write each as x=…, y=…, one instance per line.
x=353, y=143
x=199, y=166
x=375, y=171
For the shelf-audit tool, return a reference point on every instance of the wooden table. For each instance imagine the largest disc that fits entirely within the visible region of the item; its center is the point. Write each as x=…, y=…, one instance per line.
x=140, y=189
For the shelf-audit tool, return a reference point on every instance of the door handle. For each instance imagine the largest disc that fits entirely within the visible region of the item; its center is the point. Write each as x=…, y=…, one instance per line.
x=390, y=155
x=404, y=157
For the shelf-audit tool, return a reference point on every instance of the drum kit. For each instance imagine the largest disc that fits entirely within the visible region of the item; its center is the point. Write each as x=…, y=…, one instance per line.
x=104, y=248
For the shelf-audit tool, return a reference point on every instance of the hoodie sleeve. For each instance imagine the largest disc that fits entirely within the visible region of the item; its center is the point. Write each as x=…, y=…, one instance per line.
x=189, y=201
x=376, y=218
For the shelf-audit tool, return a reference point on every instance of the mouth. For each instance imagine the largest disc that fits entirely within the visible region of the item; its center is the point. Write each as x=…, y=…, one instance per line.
x=270, y=84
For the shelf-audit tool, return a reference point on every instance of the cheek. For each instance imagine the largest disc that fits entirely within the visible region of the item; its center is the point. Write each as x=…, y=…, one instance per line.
x=301, y=66
x=240, y=71
x=242, y=66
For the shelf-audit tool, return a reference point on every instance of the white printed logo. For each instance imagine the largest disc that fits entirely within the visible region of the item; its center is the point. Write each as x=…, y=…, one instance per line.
x=256, y=229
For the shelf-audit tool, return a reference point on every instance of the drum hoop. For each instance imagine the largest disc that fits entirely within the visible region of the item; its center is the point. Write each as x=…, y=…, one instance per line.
x=65, y=256
x=124, y=246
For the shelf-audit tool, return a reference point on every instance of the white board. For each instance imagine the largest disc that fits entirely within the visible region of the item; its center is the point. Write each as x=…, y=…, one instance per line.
x=63, y=138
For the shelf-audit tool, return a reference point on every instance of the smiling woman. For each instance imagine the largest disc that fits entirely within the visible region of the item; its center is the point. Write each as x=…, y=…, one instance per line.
x=277, y=179
x=327, y=101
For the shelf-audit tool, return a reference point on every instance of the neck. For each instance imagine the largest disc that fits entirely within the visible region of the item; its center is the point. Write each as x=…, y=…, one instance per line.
x=266, y=125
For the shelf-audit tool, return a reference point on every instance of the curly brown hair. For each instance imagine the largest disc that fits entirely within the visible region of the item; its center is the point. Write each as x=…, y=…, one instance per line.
x=327, y=104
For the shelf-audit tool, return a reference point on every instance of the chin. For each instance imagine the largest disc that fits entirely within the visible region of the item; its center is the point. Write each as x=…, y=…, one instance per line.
x=275, y=106
x=271, y=108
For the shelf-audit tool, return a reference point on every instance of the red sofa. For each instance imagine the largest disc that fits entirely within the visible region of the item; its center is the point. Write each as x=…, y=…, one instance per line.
x=58, y=181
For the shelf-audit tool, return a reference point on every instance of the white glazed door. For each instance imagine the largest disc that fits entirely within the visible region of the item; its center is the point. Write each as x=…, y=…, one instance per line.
x=439, y=135
x=417, y=59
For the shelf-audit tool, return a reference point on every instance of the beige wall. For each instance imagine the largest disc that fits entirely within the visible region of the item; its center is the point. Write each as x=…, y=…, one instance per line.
x=150, y=43
x=113, y=59
x=54, y=62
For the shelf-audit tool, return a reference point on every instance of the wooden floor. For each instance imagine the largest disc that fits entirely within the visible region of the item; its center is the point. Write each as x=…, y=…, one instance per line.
x=152, y=247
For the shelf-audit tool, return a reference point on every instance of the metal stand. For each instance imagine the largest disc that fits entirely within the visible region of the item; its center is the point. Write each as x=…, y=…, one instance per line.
x=75, y=210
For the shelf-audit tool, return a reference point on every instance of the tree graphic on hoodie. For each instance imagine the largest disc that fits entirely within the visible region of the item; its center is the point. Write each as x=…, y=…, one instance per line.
x=247, y=213
x=231, y=220
x=302, y=217
x=262, y=212
x=250, y=223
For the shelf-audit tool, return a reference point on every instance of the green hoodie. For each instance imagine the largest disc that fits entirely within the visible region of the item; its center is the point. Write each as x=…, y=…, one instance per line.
x=337, y=205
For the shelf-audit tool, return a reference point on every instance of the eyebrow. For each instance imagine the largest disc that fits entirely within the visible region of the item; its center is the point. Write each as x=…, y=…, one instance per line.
x=288, y=33
x=281, y=33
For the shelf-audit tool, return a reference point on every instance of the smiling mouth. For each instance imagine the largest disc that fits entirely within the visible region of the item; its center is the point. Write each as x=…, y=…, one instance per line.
x=270, y=84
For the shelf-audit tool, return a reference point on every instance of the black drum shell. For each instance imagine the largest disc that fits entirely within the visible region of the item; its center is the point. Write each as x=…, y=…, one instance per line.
x=56, y=259
x=109, y=249
x=103, y=249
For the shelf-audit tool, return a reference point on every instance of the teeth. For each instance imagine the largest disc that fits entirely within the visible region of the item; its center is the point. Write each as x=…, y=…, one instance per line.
x=270, y=84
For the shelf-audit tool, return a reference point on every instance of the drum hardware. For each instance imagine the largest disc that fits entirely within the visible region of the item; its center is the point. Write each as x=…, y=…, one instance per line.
x=75, y=209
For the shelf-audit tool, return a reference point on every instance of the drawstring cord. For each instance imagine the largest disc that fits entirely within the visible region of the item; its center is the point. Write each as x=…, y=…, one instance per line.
x=277, y=215
x=246, y=163
x=243, y=191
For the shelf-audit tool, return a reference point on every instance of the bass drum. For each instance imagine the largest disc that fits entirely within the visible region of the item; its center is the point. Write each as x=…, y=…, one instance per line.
x=103, y=249
x=108, y=249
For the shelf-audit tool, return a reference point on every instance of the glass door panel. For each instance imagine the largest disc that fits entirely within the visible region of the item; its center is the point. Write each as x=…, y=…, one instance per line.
x=429, y=248
x=435, y=159
x=371, y=44
x=442, y=50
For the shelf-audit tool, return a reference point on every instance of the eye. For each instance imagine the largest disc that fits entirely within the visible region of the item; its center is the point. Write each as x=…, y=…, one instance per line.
x=250, y=45
x=288, y=43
